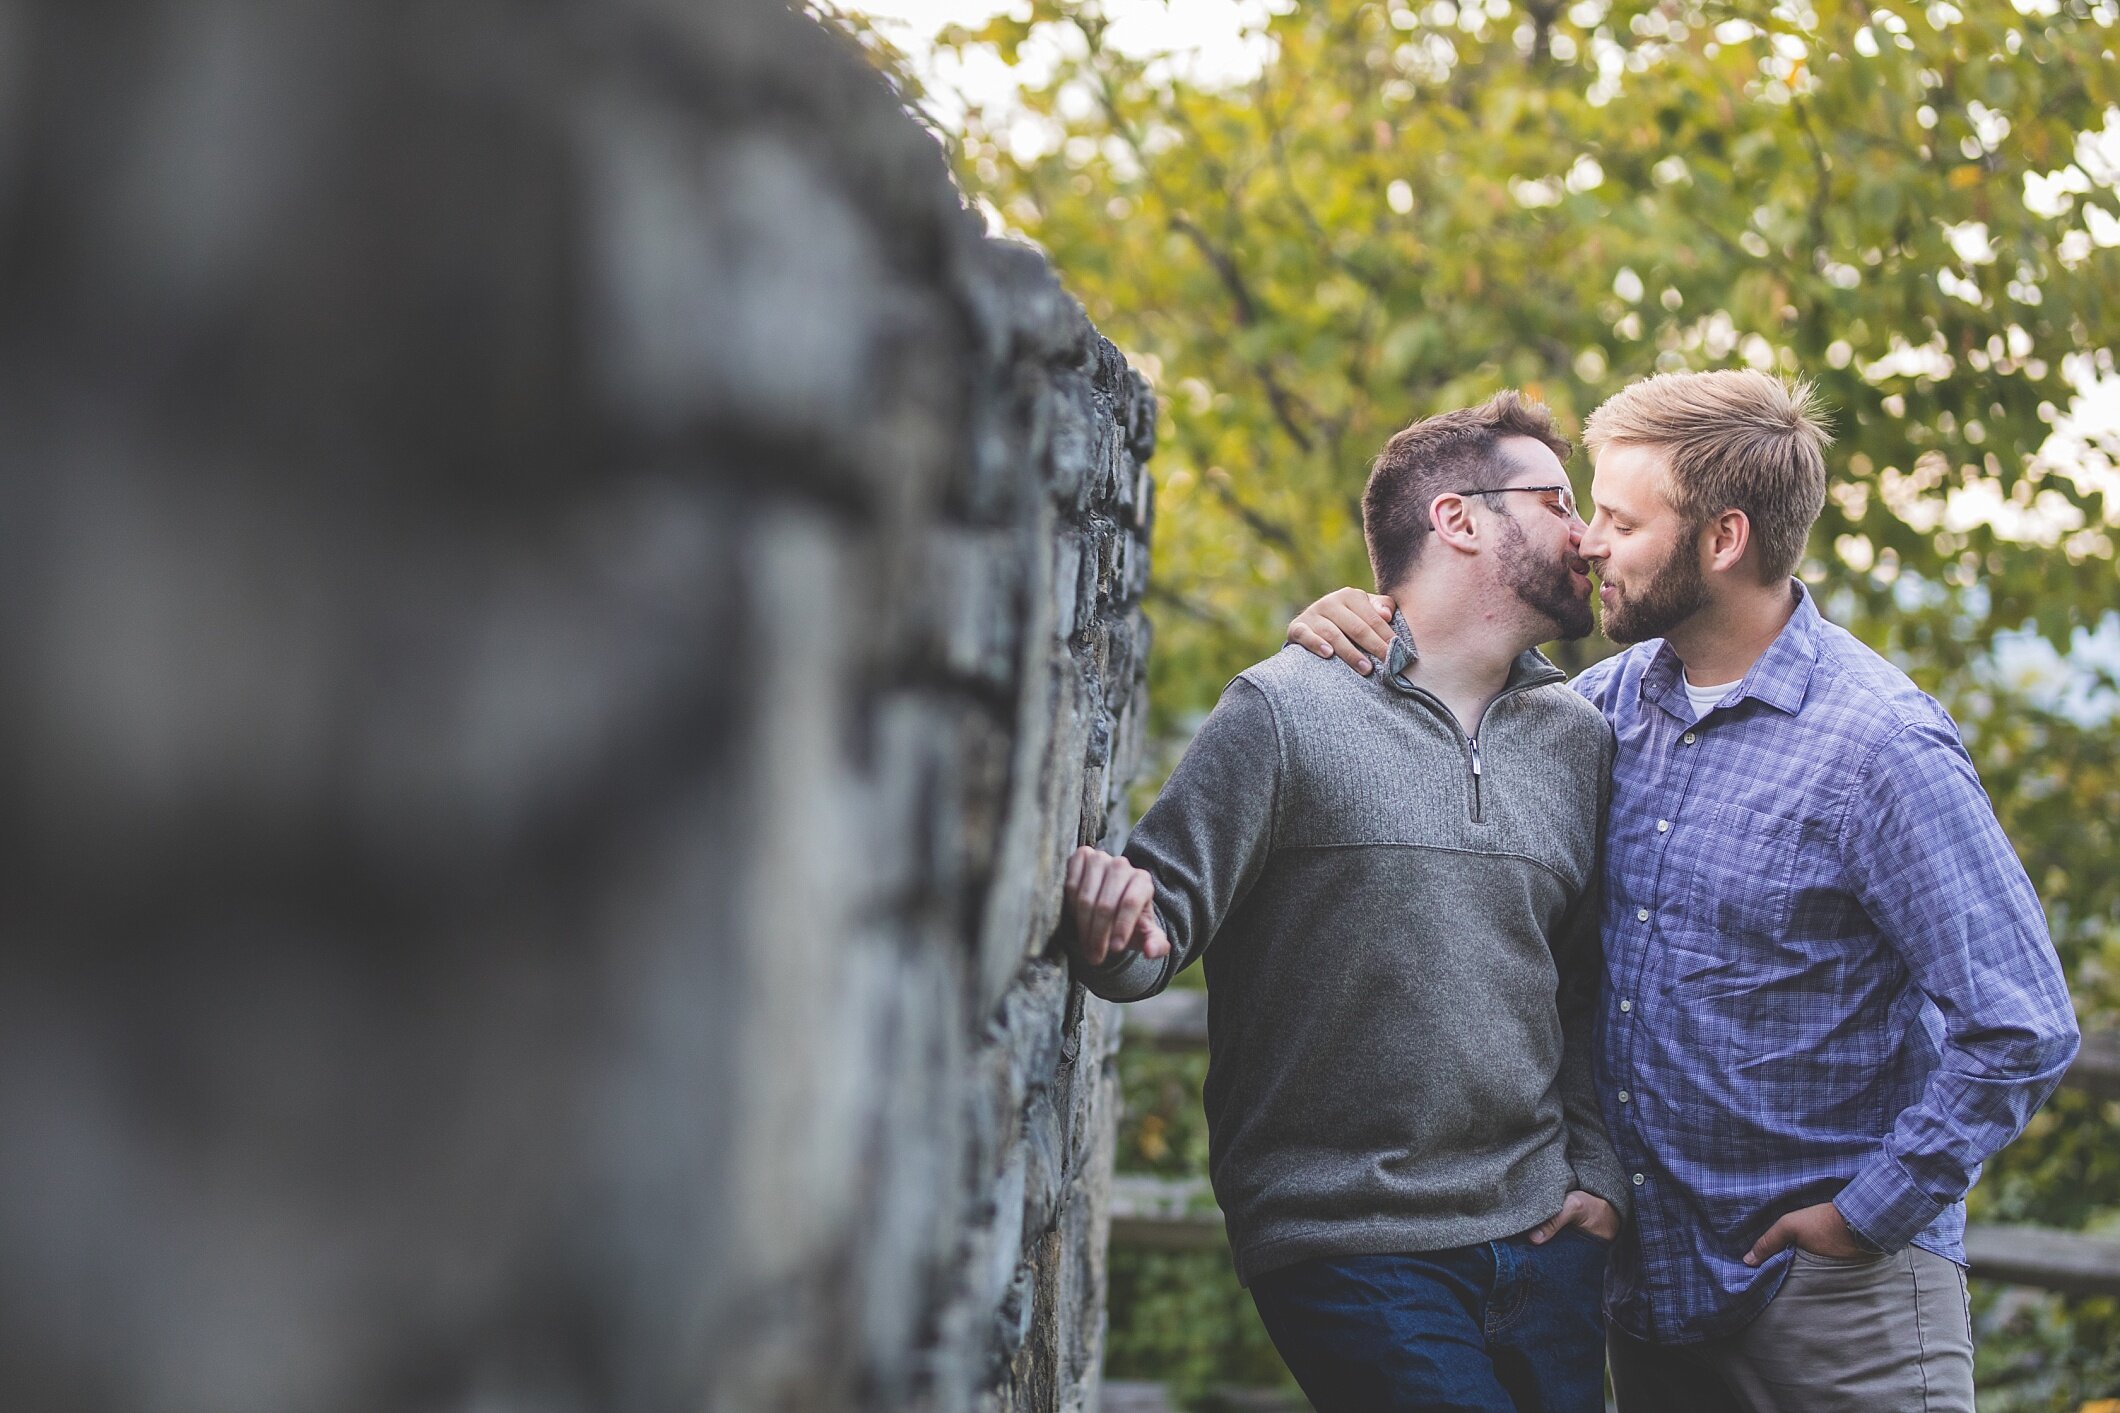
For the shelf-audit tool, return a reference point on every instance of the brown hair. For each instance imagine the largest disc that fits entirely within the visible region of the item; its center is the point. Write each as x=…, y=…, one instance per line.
x=1435, y=455
x=1738, y=440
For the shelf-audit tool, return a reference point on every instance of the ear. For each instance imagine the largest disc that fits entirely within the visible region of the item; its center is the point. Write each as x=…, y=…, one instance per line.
x=1725, y=539
x=1454, y=526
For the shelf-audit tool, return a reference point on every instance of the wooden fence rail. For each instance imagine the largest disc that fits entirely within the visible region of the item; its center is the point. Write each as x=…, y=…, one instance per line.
x=2097, y=1067
x=1177, y=1020
x=1179, y=1214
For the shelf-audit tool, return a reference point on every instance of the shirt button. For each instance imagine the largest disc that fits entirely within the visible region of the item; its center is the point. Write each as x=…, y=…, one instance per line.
x=1625, y=1006
x=1623, y=1096
x=1639, y=1179
x=1687, y=738
x=1641, y=914
x=1662, y=825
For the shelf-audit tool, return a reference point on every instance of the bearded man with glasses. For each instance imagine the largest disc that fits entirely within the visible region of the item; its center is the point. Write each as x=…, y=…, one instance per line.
x=1391, y=881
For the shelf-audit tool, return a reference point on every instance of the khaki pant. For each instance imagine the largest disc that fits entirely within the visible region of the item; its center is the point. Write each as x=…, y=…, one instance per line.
x=1870, y=1335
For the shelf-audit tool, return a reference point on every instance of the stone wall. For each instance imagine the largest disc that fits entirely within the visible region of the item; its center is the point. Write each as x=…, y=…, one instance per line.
x=562, y=608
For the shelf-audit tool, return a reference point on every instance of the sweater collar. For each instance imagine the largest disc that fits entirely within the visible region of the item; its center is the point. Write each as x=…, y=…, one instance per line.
x=1531, y=667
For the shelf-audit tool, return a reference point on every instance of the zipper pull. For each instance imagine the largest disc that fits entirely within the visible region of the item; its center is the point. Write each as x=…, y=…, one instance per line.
x=1475, y=754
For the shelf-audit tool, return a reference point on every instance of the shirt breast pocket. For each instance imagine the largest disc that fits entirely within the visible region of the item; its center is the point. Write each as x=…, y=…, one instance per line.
x=1741, y=882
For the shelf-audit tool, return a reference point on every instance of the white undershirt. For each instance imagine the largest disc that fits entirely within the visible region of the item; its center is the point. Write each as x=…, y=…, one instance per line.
x=1705, y=698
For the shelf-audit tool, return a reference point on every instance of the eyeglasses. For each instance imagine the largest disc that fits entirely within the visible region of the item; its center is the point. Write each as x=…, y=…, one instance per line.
x=1558, y=499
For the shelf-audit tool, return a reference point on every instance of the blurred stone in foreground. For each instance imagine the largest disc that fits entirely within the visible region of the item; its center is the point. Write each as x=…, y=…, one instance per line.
x=561, y=608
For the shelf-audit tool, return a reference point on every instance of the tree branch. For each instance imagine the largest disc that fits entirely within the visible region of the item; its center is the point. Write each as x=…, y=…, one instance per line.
x=1262, y=525
x=1160, y=592
x=1823, y=194
x=1247, y=313
x=1225, y=268
x=1277, y=142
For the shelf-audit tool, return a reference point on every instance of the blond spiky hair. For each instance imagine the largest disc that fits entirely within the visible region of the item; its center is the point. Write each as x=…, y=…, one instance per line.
x=1738, y=440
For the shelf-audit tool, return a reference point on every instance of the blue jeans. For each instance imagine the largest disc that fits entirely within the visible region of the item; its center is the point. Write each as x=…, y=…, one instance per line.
x=1501, y=1327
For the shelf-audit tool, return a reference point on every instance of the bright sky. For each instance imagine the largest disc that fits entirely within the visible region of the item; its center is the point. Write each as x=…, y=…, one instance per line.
x=1207, y=37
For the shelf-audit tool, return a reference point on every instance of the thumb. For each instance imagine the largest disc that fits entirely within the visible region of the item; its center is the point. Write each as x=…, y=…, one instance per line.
x=1545, y=1231
x=1773, y=1239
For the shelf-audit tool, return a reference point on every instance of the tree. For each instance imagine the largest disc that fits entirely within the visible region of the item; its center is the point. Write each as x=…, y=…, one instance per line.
x=1413, y=205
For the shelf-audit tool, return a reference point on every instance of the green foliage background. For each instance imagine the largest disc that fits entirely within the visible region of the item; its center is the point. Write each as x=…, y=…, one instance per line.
x=1412, y=205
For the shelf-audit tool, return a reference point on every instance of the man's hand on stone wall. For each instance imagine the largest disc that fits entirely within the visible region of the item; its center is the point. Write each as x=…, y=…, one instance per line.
x=1112, y=903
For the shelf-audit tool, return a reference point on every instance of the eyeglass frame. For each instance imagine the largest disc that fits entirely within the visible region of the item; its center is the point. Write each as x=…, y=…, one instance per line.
x=1565, y=506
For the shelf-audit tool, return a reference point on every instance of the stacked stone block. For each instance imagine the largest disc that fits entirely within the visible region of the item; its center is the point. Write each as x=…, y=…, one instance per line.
x=564, y=605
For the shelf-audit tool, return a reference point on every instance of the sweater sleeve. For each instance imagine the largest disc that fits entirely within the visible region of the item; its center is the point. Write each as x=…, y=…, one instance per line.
x=1204, y=840
x=1579, y=957
x=1597, y=1168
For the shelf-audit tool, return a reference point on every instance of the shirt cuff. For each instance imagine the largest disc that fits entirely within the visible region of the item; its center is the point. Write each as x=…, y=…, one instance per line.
x=1883, y=1207
x=1129, y=976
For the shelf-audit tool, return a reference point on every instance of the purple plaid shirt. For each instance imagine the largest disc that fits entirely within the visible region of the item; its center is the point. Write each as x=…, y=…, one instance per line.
x=1827, y=976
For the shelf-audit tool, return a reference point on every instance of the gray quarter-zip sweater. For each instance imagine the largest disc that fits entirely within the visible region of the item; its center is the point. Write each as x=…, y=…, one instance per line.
x=1399, y=929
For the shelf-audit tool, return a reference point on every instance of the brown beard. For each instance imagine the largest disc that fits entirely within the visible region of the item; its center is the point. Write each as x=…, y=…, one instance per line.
x=1544, y=585
x=1675, y=592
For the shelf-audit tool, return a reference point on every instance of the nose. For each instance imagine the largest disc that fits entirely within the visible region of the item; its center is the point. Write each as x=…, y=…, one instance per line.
x=1589, y=542
x=1576, y=559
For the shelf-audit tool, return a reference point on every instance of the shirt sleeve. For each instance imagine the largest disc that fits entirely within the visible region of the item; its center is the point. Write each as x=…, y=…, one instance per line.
x=1204, y=840
x=1930, y=864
